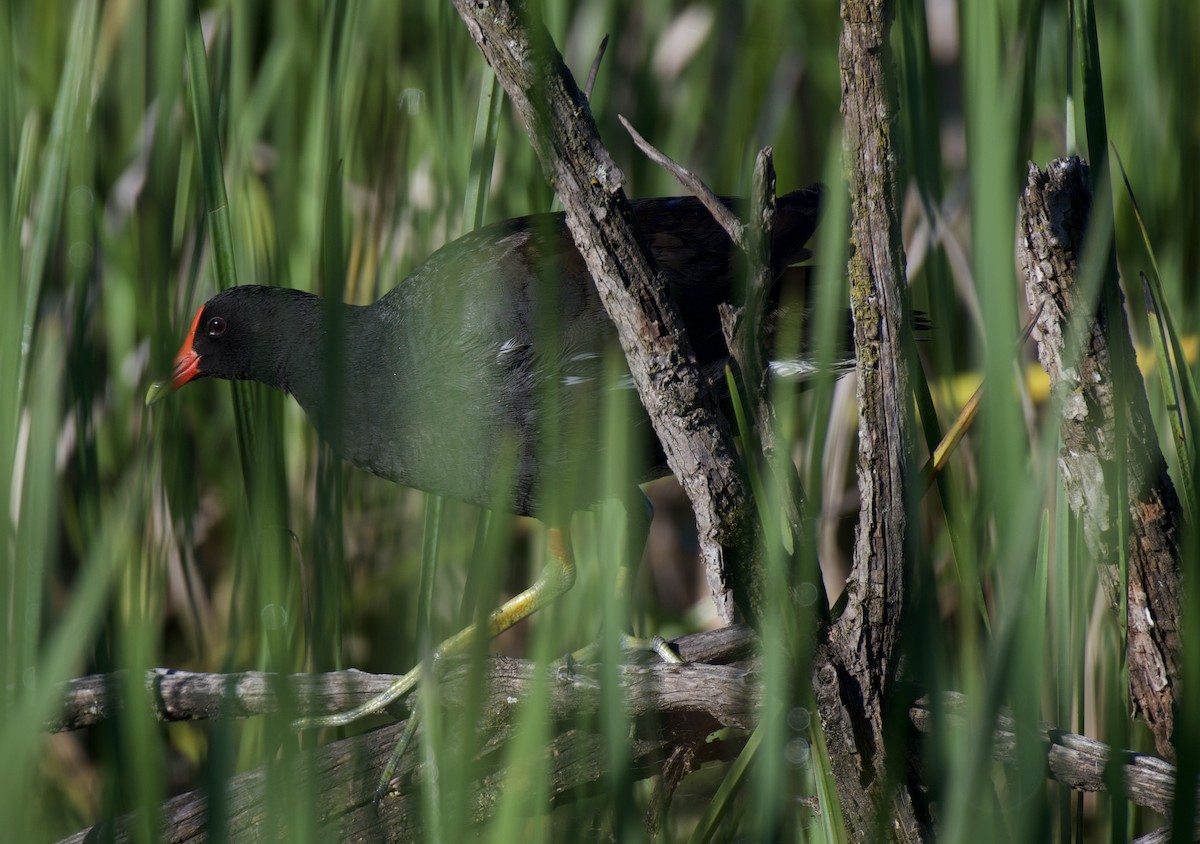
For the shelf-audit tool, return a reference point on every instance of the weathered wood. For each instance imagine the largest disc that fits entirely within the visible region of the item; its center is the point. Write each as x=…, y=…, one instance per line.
x=673, y=710
x=855, y=667
x=1110, y=450
x=187, y=696
x=682, y=408
x=1076, y=761
x=343, y=774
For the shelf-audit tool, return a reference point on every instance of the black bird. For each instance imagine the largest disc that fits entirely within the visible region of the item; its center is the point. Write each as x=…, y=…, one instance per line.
x=492, y=354
x=451, y=367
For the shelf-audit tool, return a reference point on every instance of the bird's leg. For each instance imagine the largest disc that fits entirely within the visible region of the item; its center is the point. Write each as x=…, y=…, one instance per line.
x=556, y=578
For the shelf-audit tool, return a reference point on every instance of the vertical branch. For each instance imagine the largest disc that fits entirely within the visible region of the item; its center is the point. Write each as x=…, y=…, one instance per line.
x=1108, y=436
x=745, y=334
x=743, y=326
x=683, y=410
x=856, y=666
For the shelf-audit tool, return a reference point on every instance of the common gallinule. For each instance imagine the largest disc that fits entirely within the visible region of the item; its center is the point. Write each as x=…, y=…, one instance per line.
x=445, y=381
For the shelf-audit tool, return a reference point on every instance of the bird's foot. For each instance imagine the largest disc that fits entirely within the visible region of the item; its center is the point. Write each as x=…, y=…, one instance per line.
x=666, y=651
x=376, y=704
x=389, y=770
x=629, y=644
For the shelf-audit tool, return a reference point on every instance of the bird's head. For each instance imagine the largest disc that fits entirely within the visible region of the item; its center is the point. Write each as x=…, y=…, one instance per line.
x=243, y=334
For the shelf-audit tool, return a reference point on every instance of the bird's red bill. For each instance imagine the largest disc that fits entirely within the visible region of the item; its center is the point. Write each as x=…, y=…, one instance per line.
x=187, y=362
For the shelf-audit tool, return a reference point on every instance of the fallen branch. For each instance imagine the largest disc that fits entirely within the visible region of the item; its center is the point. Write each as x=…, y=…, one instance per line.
x=674, y=710
x=1076, y=761
x=706, y=684
x=343, y=775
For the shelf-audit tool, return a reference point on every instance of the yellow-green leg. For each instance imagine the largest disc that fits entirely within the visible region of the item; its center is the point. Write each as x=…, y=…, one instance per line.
x=556, y=578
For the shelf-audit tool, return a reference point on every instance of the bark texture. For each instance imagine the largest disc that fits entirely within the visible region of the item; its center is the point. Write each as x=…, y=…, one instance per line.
x=1110, y=451
x=674, y=709
x=684, y=412
x=856, y=666
x=173, y=695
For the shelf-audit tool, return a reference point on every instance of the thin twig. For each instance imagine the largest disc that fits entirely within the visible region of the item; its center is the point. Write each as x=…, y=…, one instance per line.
x=722, y=214
x=591, y=80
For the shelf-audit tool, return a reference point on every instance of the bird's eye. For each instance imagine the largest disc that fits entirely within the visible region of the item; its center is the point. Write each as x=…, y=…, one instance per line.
x=215, y=327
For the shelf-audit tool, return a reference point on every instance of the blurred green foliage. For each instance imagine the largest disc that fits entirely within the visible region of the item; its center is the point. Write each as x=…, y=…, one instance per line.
x=213, y=533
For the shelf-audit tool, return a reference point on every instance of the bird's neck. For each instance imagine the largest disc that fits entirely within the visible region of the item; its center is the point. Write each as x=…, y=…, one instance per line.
x=340, y=375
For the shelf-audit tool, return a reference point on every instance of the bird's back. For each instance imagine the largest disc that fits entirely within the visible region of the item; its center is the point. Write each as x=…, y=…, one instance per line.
x=500, y=343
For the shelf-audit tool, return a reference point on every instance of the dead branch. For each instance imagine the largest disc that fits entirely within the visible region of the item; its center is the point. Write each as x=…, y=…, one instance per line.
x=1110, y=451
x=855, y=666
x=343, y=775
x=187, y=696
x=1076, y=761
x=671, y=717
x=682, y=408
x=743, y=325
x=695, y=185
